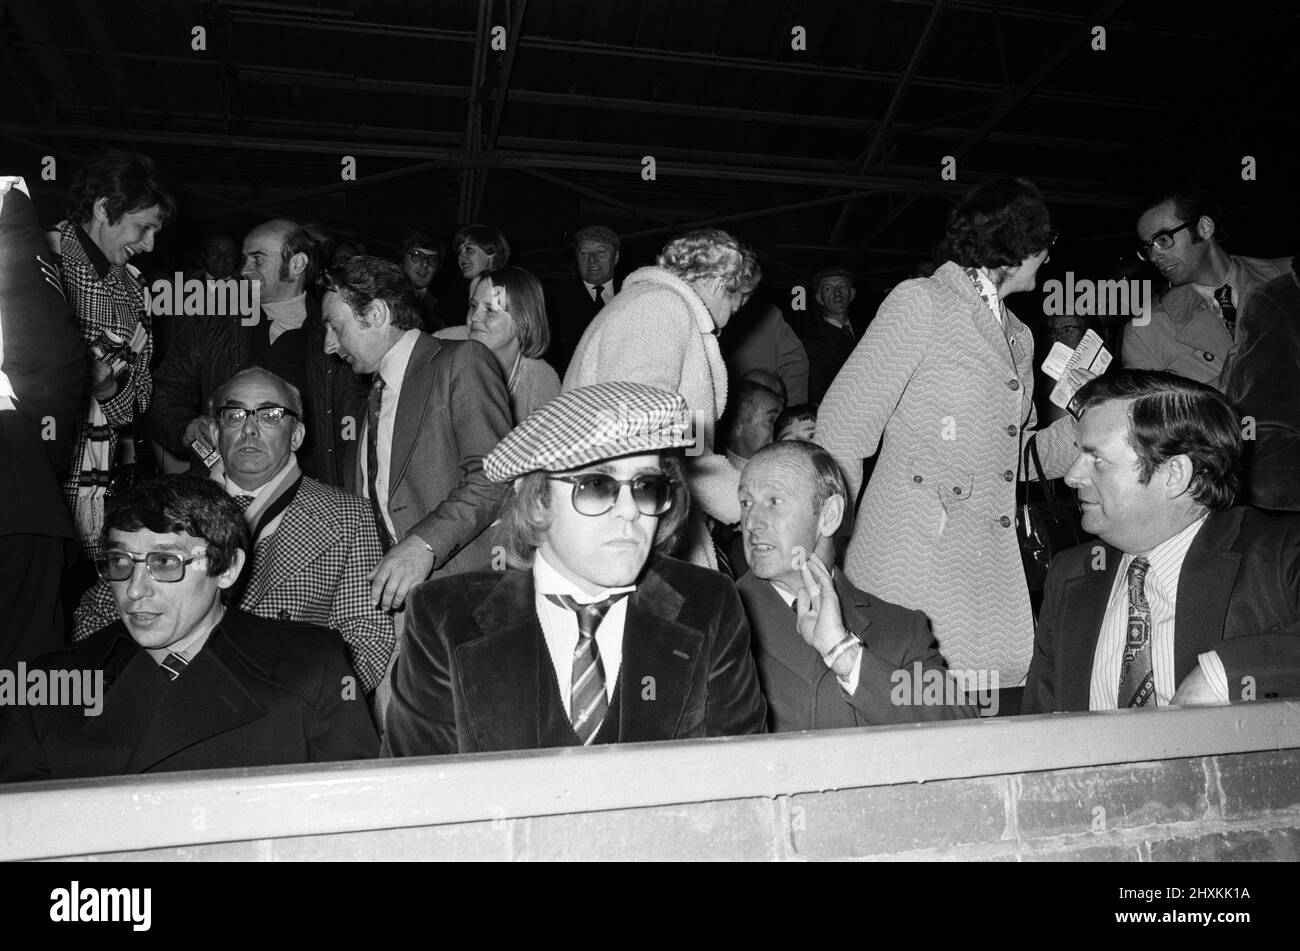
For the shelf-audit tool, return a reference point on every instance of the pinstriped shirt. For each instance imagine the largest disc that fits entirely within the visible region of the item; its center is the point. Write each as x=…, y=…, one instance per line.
x=560, y=627
x=1161, y=589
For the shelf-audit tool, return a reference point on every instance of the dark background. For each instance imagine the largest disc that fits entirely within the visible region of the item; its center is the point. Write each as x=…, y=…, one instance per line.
x=829, y=155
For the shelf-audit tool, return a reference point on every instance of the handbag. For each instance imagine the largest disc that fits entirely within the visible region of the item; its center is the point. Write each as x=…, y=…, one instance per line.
x=1045, y=525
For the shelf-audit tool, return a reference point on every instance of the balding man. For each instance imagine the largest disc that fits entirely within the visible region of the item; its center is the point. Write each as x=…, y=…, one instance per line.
x=287, y=338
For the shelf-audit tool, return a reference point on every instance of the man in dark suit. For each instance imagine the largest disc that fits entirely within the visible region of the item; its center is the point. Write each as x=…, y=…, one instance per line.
x=587, y=637
x=830, y=335
x=288, y=338
x=572, y=304
x=313, y=546
x=828, y=654
x=44, y=374
x=436, y=408
x=1186, y=599
x=181, y=681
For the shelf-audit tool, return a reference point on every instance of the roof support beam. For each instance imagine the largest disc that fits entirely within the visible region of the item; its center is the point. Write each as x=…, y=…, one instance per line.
x=474, y=108
x=514, y=30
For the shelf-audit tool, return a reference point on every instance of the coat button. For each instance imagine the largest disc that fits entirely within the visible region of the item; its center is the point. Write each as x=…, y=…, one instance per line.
x=916, y=479
x=1013, y=384
x=1011, y=430
x=1009, y=476
x=1209, y=358
x=1004, y=522
x=282, y=616
x=956, y=490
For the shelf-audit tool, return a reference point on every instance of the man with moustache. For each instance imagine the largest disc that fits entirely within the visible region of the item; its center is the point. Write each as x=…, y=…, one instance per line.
x=288, y=338
x=189, y=683
x=314, y=545
x=592, y=635
x=1192, y=328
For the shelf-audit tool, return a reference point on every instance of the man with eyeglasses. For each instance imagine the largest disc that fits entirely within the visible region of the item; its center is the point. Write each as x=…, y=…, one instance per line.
x=420, y=255
x=589, y=634
x=288, y=339
x=190, y=683
x=1192, y=328
x=314, y=545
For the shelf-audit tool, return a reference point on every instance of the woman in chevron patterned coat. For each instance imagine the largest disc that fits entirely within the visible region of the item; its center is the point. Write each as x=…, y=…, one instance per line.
x=115, y=206
x=942, y=382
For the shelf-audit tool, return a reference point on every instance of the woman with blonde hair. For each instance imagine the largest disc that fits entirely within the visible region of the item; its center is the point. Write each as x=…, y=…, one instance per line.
x=662, y=329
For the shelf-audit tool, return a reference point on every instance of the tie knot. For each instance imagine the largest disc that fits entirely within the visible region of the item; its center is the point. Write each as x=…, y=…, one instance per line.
x=243, y=501
x=1137, y=570
x=379, y=382
x=1223, y=295
x=600, y=289
x=589, y=615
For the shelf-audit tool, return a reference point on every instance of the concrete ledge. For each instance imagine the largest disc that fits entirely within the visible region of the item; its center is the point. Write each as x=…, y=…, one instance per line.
x=190, y=810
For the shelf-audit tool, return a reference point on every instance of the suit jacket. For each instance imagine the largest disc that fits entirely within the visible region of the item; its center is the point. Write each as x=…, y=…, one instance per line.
x=207, y=351
x=828, y=348
x=1185, y=334
x=758, y=337
x=803, y=693
x=45, y=358
x=311, y=569
x=947, y=394
x=259, y=693
x=570, y=310
x=453, y=410
x=474, y=673
x=1240, y=579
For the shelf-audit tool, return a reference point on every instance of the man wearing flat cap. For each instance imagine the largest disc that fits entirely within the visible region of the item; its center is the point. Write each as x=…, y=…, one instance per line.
x=591, y=635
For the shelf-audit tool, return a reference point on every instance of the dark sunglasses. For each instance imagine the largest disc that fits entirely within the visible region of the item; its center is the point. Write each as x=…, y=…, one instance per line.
x=594, y=493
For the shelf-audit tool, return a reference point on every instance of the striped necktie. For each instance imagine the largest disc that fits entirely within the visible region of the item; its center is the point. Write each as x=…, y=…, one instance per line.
x=588, y=702
x=174, y=664
x=1223, y=297
x=1136, y=680
x=243, y=501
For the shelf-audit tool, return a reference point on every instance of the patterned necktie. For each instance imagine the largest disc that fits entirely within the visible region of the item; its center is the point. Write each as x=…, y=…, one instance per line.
x=372, y=459
x=599, y=299
x=174, y=664
x=588, y=703
x=243, y=501
x=1136, y=682
x=1223, y=297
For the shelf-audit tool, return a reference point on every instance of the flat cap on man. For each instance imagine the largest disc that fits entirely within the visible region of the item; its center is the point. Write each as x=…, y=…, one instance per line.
x=597, y=233
x=591, y=423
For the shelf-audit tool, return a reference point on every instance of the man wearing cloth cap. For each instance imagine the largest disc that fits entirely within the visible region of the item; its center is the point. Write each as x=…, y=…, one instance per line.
x=573, y=303
x=590, y=635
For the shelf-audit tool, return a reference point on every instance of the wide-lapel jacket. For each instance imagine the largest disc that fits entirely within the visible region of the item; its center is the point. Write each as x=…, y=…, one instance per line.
x=803, y=694
x=1240, y=579
x=312, y=569
x=474, y=673
x=258, y=693
x=453, y=410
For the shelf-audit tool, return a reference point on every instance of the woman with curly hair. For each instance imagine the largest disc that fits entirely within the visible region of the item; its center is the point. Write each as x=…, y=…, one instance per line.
x=942, y=383
x=662, y=329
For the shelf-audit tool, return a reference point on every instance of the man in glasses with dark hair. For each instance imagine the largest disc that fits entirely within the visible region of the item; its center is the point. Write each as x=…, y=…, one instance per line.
x=312, y=545
x=1192, y=328
x=588, y=633
x=420, y=254
x=190, y=682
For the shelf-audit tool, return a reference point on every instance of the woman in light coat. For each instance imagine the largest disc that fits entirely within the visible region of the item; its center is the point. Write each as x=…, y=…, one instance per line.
x=943, y=383
x=662, y=329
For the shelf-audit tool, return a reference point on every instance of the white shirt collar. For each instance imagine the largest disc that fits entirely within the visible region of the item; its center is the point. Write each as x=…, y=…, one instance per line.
x=393, y=365
x=290, y=314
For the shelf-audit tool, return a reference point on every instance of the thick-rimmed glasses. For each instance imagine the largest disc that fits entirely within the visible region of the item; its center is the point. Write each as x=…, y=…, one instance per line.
x=595, y=493
x=164, y=566
x=422, y=257
x=1161, y=240
x=232, y=416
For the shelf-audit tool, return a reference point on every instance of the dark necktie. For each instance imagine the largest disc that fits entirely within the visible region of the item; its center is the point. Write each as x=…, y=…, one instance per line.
x=599, y=300
x=372, y=459
x=243, y=501
x=1223, y=297
x=174, y=664
x=588, y=703
x=1136, y=681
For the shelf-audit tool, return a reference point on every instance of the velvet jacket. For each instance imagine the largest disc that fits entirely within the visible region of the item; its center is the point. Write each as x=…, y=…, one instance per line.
x=1240, y=579
x=474, y=673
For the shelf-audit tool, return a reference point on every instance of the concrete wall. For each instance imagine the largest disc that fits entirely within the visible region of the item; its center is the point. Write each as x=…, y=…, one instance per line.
x=1129, y=786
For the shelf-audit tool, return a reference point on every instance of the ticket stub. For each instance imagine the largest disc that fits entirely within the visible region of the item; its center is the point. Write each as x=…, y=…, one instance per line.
x=1091, y=355
x=203, y=449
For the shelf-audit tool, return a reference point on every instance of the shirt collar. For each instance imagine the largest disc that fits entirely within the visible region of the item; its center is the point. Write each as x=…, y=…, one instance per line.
x=190, y=647
x=289, y=472
x=392, y=368
x=547, y=580
x=1166, y=559
x=96, y=257
x=288, y=313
